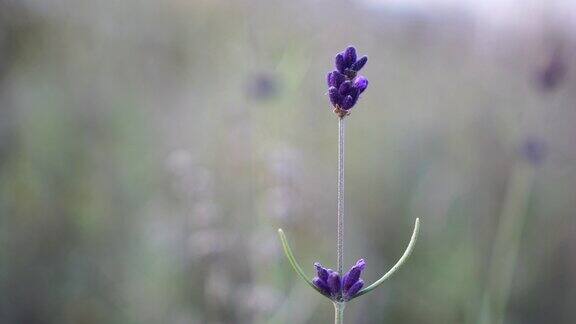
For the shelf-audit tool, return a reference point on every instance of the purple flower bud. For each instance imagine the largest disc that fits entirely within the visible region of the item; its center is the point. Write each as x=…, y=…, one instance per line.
x=345, y=87
x=349, y=56
x=335, y=97
x=322, y=286
x=330, y=284
x=321, y=271
x=361, y=83
x=350, y=293
x=355, y=93
x=554, y=72
x=348, y=102
x=340, y=64
x=354, y=274
x=358, y=65
x=335, y=79
x=361, y=264
x=334, y=284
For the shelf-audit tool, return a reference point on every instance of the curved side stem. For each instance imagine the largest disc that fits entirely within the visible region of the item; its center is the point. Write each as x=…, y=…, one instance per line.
x=398, y=264
x=293, y=261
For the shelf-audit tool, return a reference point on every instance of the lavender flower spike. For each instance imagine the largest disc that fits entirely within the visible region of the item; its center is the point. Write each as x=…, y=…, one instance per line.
x=345, y=86
x=329, y=283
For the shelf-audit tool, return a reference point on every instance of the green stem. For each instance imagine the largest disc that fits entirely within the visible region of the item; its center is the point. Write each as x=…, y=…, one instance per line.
x=339, y=313
x=340, y=222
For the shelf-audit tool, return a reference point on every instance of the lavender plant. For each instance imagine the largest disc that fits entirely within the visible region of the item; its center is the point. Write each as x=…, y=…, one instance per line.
x=345, y=86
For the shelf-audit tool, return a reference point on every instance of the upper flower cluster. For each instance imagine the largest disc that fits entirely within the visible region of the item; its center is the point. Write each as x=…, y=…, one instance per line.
x=339, y=289
x=344, y=85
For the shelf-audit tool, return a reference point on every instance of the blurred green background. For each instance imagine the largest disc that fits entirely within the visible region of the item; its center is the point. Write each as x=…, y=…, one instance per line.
x=149, y=150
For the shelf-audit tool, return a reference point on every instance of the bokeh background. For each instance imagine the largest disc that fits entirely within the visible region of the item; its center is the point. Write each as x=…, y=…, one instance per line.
x=149, y=150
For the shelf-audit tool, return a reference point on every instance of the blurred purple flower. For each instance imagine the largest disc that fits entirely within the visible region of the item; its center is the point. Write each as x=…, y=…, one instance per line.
x=344, y=85
x=262, y=86
x=534, y=150
x=554, y=72
x=336, y=288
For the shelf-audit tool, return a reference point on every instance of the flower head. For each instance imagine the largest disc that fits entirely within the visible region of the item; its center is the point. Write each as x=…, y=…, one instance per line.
x=344, y=83
x=337, y=288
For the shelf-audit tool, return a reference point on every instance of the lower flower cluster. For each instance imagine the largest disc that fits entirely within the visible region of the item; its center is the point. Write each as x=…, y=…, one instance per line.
x=345, y=93
x=337, y=288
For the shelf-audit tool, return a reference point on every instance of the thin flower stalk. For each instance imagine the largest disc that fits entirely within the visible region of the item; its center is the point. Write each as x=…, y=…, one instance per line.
x=340, y=225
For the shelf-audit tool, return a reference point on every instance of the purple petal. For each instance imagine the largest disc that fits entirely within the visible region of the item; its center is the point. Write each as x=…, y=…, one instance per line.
x=361, y=83
x=350, y=293
x=354, y=274
x=361, y=264
x=355, y=93
x=350, y=280
x=349, y=56
x=337, y=78
x=348, y=102
x=334, y=283
x=340, y=64
x=329, y=79
x=345, y=279
x=321, y=271
x=322, y=286
x=358, y=65
x=345, y=87
x=335, y=97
